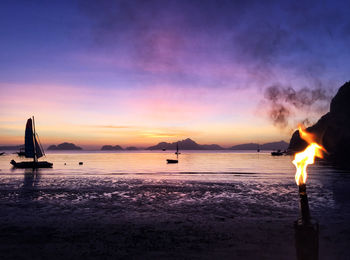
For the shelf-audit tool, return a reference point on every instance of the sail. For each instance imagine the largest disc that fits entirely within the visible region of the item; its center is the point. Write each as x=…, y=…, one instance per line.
x=28, y=140
x=38, y=151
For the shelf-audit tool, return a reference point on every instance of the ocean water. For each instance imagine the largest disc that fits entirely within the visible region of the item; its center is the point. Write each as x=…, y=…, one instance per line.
x=222, y=164
x=223, y=196
x=199, y=176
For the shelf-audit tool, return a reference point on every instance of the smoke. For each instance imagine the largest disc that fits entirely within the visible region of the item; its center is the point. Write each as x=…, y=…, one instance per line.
x=279, y=115
x=283, y=100
x=185, y=34
x=199, y=41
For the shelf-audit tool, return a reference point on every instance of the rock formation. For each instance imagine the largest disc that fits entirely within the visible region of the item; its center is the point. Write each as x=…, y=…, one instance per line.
x=332, y=130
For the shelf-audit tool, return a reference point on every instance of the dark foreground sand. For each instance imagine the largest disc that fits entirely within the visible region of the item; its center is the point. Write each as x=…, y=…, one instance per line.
x=110, y=218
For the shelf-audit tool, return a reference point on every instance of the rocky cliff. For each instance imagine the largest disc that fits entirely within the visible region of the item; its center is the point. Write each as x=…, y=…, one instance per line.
x=332, y=130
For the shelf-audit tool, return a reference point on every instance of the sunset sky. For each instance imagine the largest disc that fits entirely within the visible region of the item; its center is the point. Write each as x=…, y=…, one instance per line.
x=141, y=72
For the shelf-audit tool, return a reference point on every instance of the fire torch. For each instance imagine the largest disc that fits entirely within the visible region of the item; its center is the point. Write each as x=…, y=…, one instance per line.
x=306, y=228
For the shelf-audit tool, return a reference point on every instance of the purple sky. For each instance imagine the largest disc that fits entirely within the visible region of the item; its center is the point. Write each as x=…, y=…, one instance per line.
x=139, y=72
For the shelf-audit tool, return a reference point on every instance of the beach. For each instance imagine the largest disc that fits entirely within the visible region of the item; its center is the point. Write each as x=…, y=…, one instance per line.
x=167, y=216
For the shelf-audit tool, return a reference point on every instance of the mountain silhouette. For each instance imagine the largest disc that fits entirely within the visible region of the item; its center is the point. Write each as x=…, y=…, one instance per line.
x=64, y=146
x=131, y=148
x=111, y=148
x=11, y=147
x=281, y=145
x=186, y=144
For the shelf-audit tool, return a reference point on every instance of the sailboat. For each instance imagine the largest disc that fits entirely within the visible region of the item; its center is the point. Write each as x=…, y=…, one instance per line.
x=177, y=148
x=32, y=149
x=177, y=155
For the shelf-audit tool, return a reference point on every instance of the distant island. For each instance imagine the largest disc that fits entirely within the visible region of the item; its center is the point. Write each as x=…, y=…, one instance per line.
x=189, y=144
x=64, y=146
x=131, y=148
x=281, y=145
x=111, y=148
x=11, y=147
x=118, y=148
x=186, y=144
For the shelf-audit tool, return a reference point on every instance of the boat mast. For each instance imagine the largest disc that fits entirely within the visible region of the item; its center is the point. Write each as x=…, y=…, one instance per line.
x=177, y=150
x=35, y=156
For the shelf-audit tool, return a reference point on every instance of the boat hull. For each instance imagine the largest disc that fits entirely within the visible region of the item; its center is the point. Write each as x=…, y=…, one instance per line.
x=276, y=153
x=33, y=165
x=172, y=161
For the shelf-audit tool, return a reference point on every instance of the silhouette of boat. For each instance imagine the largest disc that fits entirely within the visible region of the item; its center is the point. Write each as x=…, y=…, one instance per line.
x=277, y=153
x=2, y=153
x=21, y=152
x=163, y=149
x=172, y=161
x=32, y=149
x=177, y=155
x=24, y=165
x=177, y=148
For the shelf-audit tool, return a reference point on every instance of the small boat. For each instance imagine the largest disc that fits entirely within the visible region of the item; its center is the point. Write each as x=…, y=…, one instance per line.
x=2, y=153
x=277, y=153
x=32, y=149
x=163, y=149
x=172, y=161
x=30, y=164
x=21, y=152
x=177, y=155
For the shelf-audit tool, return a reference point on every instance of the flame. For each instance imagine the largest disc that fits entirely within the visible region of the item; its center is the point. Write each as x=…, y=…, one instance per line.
x=306, y=157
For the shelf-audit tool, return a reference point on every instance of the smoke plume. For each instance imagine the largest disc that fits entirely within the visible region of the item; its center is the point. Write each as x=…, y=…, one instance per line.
x=283, y=100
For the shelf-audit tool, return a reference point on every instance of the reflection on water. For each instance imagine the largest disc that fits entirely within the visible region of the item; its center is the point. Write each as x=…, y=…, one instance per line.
x=199, y=176
x=29, y=189
x=155, y=162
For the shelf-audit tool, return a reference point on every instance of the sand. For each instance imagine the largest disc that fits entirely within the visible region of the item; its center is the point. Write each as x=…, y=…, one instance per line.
x=92, y=218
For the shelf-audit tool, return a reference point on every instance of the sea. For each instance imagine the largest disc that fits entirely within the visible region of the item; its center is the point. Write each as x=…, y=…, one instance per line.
x=102, y=170
x=218, y=165
x=201, y=166
x=218, y=196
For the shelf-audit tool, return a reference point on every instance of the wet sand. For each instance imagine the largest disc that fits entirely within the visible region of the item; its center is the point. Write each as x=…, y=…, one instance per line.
x=93, y=218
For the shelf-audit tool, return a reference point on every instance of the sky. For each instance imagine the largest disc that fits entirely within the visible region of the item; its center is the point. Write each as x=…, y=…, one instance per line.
x=142, y=72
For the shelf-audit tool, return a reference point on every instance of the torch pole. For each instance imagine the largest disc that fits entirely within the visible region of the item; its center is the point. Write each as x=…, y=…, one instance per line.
x=303, y=205
x=306, y=230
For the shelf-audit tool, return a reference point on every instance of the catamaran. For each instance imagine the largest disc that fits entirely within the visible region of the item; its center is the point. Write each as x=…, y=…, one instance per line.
x=32, y=149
